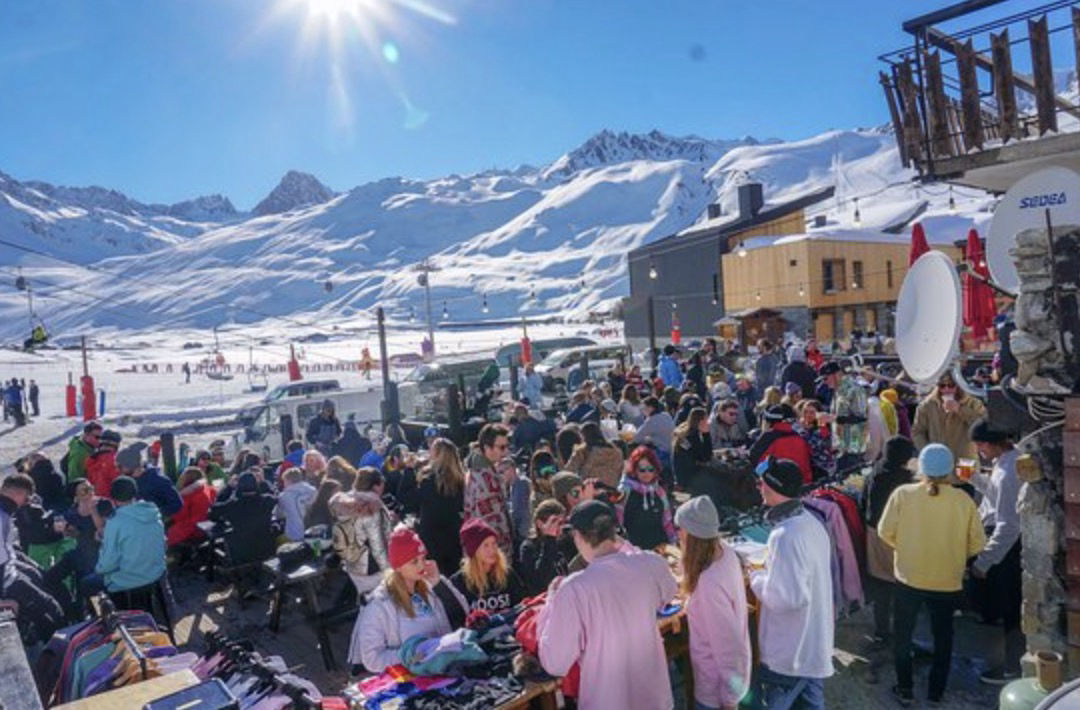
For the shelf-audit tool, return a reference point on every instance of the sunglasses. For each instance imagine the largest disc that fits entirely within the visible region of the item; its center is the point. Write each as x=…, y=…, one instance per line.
x=947, y=385
x=574, y=493
x=546, y=471
x=646, y=468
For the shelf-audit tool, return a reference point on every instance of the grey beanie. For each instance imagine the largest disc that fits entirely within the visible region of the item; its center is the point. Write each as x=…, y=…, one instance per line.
x=698, y=517
x=130, y=458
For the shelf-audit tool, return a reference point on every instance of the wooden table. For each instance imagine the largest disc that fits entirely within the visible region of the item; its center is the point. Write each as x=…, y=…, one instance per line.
x=307, y=577
x=539, y=695
x=135, y=695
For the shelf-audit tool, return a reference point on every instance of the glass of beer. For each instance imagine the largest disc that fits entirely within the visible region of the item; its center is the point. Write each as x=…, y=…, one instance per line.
x=965, y=469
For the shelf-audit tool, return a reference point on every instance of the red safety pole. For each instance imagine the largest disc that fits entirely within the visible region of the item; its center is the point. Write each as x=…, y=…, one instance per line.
x=71, y=397
x=294, y=366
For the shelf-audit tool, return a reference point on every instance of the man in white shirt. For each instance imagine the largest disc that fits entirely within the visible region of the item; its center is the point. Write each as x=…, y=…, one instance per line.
x=794, y=592
x=997, y=567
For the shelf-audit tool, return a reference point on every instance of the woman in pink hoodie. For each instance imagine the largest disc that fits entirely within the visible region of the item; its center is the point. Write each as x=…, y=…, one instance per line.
x=716, y=609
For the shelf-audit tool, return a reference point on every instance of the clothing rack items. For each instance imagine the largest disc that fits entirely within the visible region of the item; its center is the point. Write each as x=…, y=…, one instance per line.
x=114, y=624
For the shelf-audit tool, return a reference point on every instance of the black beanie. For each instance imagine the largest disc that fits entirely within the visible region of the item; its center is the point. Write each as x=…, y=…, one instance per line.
x=987, y=433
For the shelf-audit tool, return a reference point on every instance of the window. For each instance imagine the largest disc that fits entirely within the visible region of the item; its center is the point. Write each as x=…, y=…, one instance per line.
x=888, y=273
x=857, y=275
x=832, y=275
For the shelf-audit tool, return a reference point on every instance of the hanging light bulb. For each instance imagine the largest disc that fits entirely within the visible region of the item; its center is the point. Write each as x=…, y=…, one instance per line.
x=485, y=308
x=445, y=313
x=532, y=293
x=412, y=314
x=759, y=295
x=952, y=201
x=857, y=221
x=715, y=302
x=674, y=305
x=652, y=270
x=583, y=282
x=802, y=291
x=742, y=250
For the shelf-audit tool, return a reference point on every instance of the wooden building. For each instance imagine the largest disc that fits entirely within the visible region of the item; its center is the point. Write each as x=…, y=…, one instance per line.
x=680, y=278
x=825, y=284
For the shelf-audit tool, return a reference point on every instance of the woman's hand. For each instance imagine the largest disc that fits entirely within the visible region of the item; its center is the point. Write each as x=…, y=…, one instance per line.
x=431, y=573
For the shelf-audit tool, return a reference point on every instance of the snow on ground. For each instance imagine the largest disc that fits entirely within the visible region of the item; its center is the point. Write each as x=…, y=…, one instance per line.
x=140, y=403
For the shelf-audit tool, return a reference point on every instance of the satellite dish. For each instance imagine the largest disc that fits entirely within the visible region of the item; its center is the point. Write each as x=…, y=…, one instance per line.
x=929, y=316
x=1024, y=207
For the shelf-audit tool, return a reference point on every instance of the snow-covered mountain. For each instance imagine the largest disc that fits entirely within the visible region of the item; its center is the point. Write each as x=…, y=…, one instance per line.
x=295, y=190
x=528, y=240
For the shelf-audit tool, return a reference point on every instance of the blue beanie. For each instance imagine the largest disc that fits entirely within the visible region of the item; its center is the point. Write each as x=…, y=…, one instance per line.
x=935, y=461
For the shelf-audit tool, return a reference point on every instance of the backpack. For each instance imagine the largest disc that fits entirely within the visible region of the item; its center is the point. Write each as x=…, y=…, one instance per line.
x=64, y=463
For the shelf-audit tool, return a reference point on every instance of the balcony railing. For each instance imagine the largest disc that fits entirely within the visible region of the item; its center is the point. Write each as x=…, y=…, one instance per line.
x=952, y=96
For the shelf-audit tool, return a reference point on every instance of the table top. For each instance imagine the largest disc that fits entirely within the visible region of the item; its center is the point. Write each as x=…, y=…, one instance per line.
x=135, y=695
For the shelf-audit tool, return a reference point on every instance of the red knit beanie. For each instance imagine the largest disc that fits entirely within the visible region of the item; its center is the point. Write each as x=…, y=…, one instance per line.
x=405, y=546
x=473, y=534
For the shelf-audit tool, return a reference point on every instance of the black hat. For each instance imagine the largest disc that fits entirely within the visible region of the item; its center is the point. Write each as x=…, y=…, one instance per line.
x=782, y=475
x=780, y=413
x=123, y=489
x=247, y=483
x=829, y=368
x=984, y=431
x=110, y=435
x=585, y=514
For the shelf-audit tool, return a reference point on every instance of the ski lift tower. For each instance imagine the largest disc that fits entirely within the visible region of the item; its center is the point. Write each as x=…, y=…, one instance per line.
x=424, y=279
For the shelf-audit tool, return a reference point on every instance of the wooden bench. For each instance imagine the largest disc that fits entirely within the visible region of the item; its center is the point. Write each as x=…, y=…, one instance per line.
x=307, y=577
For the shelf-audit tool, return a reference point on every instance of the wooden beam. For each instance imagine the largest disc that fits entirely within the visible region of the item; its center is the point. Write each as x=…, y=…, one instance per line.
x=912, y=128
x=1044, y=74
x=1003, y=85
x=935, y=94
x=942, y=41
x=969, y=96
x=894, y=114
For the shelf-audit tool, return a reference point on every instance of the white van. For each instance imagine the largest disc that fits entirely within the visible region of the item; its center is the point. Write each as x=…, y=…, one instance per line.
x=422, y=394
x=262, y=423
x=556, y=367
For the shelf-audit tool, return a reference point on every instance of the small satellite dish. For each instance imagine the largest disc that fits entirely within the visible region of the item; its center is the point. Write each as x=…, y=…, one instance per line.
x=1024, y=207
x=929, y=316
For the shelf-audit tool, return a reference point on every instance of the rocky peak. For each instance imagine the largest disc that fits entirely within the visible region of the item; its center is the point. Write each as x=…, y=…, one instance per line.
x=295, y=190
x=206, y=208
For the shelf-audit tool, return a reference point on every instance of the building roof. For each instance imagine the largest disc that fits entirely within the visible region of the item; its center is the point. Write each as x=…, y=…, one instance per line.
x=844, y=235
x=726, y=225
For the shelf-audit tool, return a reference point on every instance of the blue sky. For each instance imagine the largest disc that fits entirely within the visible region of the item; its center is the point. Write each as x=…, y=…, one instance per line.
x=168, y=99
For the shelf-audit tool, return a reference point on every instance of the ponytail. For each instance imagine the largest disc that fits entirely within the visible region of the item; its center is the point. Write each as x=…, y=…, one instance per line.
x=931, y=484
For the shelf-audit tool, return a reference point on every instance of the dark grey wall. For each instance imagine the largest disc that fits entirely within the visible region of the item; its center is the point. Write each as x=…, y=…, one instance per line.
x=684, y=276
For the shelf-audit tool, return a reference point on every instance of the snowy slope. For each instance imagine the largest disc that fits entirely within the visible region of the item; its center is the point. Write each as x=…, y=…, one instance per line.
x=532, y=240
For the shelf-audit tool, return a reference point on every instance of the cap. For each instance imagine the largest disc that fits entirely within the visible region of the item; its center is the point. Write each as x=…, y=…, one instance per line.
x=781, y=475
x=698, y=517
x=110, y=436
x=584, y=515
x=779, y=413
x=829, y=368
x=431, y=431
x=473, y=534
x=404, y=547
x=935, y=461
x=123, y=489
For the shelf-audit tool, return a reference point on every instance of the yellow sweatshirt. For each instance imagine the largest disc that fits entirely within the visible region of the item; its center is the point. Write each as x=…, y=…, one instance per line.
x=933, y=535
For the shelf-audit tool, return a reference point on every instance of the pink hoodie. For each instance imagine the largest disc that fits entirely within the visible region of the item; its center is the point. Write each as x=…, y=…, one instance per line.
x=719, y=633
x=605, y=618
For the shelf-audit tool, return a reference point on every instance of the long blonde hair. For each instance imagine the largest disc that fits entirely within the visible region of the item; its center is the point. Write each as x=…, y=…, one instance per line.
x=477, y=581
x=693, y=421
x=697, y=554
x=446, y=467
x=399, y=592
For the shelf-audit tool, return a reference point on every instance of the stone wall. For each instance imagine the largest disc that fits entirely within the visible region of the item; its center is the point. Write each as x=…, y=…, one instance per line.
x=1045, y=344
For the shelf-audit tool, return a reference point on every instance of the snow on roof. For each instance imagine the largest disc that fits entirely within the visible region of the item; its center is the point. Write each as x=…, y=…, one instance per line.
x=842, y=235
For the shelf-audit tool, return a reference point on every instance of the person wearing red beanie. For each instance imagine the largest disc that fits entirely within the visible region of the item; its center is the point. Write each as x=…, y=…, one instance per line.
x=485, y=578
x=408, y=602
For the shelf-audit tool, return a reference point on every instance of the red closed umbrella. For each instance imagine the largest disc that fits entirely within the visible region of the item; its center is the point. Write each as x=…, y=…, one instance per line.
x=918, y=244
x=979, y=306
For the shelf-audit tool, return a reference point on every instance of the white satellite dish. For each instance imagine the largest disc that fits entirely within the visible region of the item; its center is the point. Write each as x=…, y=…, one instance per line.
x=929, y=316
x=1024, y=207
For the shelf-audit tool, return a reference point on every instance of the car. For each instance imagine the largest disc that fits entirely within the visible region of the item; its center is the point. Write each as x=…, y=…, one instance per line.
x=262, y=424
x=422, y=394
x=556, y=367
x=540, y=348
x=301, y=388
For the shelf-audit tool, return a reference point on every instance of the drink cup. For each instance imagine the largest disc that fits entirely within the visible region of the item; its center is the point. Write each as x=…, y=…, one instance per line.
x=965, y=469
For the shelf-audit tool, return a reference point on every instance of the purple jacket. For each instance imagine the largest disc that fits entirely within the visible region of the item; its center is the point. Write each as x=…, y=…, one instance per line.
x=847, y=584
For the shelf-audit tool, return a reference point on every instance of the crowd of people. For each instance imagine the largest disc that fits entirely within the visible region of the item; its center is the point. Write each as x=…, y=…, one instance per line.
x=578, y=509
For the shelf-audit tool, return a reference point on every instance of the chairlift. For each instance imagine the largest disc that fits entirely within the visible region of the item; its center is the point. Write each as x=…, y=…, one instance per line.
x=39, y=335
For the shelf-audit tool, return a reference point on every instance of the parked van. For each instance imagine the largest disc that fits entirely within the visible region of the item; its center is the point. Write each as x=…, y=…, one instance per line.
x=300, y=388
x=540, y=348
x=422, y=394
x=262, y=423
x=556, y=367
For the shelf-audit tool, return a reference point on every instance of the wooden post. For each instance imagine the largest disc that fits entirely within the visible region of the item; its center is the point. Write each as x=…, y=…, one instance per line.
x=85, y=367
x=969, y=96
x=1003, y=85
x=898, y=126
x=453, y=414
x=1043, y=72
x=514, y=381
x=912, y=129
x=391, y=415
x=935, y=91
